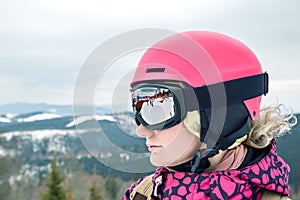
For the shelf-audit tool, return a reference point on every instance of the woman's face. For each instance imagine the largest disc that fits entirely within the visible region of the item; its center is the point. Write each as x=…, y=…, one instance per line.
x=169, y=147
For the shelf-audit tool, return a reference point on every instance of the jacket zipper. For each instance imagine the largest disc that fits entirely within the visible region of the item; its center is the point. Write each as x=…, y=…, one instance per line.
x=158, y=181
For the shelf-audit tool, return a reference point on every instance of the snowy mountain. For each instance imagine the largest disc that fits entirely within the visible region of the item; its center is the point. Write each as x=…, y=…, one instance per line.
x=34, y=138
x=82, y=119
x=4, y=120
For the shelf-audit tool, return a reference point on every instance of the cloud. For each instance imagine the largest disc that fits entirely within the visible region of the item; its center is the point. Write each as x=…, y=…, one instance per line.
x=283, y=91
x=284, y=85
x=46, y=42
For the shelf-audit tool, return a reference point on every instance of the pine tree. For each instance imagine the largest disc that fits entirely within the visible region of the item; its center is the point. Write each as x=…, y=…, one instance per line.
x=5, y=170
x=7, y=165
x=111, y=187
x=95, y=190
x=54, y=184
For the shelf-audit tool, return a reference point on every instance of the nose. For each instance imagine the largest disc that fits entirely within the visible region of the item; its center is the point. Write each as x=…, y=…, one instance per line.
x=142, y=131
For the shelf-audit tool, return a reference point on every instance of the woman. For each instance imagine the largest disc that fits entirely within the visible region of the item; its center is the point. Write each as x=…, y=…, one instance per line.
x=196, y=99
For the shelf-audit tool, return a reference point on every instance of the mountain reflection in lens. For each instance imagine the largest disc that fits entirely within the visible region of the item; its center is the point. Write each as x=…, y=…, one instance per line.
x=155, y=105
x=158, y=110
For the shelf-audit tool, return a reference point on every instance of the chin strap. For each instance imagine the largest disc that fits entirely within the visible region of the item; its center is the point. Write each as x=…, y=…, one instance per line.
x=198, y=163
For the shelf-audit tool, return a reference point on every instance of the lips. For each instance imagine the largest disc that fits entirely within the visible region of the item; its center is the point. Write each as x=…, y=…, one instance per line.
x=153, y=147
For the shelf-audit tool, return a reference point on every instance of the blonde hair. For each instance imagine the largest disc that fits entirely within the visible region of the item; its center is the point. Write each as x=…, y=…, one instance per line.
x=192, y=122
x=270, y=123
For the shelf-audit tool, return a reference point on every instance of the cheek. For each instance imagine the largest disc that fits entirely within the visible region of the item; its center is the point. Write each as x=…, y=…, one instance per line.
x=168, y=139
x=176, y=153
x=181, y=139
x=170, y=136
x=183, y=148
x=178, y=149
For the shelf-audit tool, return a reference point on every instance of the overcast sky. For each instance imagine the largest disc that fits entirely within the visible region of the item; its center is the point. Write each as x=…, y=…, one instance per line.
x=44, y=43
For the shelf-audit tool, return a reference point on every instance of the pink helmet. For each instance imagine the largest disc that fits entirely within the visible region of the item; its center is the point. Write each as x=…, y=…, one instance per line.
x=201, y=58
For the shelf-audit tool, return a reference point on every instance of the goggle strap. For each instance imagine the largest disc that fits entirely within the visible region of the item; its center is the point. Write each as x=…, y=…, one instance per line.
x=236, y=91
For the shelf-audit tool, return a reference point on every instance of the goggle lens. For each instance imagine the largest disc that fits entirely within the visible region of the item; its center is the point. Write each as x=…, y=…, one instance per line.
x=154, y=104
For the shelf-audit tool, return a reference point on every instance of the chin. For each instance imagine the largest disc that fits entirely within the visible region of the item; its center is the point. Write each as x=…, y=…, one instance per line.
x=167, y=161
x=158, y=161
x=155, y=161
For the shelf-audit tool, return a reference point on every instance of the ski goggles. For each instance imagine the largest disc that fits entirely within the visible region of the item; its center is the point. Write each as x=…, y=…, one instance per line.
x=161, y=106
x=156, y=106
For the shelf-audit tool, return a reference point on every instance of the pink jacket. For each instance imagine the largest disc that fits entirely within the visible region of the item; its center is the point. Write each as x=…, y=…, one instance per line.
x=270, y=173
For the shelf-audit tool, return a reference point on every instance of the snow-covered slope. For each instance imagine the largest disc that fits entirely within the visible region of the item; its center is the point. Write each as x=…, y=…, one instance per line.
x=5, y=120
x=38, y=117
x=82, y=119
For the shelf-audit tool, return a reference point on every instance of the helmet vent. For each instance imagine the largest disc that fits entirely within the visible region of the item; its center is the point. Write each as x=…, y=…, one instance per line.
x=151, y=70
